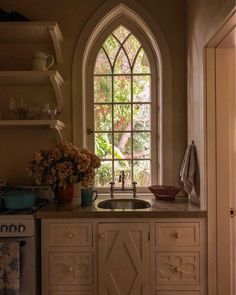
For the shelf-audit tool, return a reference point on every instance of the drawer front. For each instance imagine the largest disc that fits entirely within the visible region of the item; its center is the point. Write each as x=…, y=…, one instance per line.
x=73, y=269
x=178, y=293
x=71, y=293
x=70, y=234
x=177, y=268
x=177, y=234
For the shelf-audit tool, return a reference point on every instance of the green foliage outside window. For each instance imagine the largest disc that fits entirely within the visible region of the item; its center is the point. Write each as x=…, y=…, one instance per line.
x=122, y=109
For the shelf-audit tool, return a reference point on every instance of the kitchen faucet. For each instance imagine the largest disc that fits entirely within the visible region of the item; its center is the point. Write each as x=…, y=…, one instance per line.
x=122, y=189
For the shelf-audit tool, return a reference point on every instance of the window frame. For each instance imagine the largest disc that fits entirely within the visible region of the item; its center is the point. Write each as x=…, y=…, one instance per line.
x=89, y=120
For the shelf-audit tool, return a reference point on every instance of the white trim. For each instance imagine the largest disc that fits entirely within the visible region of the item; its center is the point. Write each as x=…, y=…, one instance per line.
x=137, y=15
x=211, y=151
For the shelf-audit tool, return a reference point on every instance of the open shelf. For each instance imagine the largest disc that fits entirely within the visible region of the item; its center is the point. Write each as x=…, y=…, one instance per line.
x=52, y=124
x=24, y=78
x=32, y=32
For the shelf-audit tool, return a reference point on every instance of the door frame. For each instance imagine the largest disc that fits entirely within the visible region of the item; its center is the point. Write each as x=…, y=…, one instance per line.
x=214, y=253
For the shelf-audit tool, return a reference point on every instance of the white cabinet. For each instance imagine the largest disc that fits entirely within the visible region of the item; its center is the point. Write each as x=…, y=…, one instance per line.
x=67, y=257
x=180, y=262
x=123, y=258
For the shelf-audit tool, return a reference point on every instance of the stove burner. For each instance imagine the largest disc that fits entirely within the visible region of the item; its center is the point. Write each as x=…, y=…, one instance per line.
x=39, y=204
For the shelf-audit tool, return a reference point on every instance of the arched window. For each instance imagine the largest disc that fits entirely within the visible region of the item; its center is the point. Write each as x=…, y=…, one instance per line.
x=122, y=109
x=118, y=88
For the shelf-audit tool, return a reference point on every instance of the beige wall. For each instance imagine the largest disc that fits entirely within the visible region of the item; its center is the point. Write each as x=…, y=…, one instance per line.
x=204, y=17
x=17, y=146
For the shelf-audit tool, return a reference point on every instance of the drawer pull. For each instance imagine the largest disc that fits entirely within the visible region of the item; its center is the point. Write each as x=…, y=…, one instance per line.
x=177, y=269
x=70, y=235
x=71, y=269
x=177, y=235
x=101, y=236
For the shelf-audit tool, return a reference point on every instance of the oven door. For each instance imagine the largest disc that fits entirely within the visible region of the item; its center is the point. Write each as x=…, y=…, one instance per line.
x=28, y=271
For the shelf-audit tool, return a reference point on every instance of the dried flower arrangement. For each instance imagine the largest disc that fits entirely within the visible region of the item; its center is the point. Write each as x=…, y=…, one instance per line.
x=63, y=165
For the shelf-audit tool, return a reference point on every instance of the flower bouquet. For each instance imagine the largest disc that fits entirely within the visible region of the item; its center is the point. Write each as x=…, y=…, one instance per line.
x=62, y=166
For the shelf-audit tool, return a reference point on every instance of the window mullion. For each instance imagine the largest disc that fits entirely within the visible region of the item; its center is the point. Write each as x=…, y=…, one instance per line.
x=112, y=127
x=132, y=148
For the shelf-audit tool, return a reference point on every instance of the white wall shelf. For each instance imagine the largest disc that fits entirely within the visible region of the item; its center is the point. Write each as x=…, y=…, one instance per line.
x=32, y=32
x=24, y=78
x=52, y=124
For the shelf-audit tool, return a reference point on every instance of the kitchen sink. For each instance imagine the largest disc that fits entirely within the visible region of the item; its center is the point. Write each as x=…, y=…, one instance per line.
x=124, y=204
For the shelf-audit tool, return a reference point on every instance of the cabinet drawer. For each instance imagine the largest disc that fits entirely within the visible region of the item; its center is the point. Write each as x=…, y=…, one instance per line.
x=178, y=292
x=70, y=234
x=177, y=268
x=177, y=234
x=72, y=293
x=70, y=269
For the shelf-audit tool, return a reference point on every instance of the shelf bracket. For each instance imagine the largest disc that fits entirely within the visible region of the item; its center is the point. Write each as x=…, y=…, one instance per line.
x=56, y=81
x=58, y=128
x=57, y=38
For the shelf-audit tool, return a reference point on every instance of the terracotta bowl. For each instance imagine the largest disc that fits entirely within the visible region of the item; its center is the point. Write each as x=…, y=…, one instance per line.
x=164, y=192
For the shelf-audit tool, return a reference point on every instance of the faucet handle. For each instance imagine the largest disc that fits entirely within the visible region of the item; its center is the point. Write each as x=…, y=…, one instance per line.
x=134, y=189
x=122, y=176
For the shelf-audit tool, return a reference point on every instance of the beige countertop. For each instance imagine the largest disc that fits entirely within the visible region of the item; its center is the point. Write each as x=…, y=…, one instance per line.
x=181, y=207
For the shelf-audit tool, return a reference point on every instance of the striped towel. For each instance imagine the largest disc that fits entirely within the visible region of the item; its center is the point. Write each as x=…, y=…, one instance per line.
x=9, y=268
x=188, y=168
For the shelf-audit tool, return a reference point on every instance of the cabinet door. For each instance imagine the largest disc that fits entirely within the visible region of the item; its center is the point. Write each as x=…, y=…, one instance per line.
x=123, y=254
x=177, y=268
x=73, y=269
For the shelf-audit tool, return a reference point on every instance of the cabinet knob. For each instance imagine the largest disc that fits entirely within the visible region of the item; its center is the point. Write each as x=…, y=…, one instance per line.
x=177, y=269
x=177, y=235
x=101, y=236
x=71, y=269
x=70, y=235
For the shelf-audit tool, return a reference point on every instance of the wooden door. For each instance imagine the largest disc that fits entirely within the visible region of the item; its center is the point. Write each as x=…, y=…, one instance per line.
x=226, y=166
x=221, y=157
x=123, y=258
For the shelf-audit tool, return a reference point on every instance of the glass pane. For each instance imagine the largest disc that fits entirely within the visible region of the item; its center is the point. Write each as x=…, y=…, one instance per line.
x=122, y=117
x=103, y=145
x=141, y=64
x=102, y=117
x=121, y=33
x=104, y=174
x=131, y=46
x=102, y=65
x=141, y=88
x=142, y=173
x=122, y=145
x=141, y=145
x=121, y=64
x=103, y=89
x=123, y=166
x=111, y=46
x=141, y=117
x=122, y=89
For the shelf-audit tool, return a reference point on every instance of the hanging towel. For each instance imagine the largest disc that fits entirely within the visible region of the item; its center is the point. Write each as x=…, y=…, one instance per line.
x=188, y=167
x=9, y=268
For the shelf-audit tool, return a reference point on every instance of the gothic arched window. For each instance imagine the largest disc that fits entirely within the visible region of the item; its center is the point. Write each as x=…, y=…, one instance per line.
x=122, y=103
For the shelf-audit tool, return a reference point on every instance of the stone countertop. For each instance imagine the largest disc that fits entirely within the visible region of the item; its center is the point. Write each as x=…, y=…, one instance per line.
x=181, y=207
